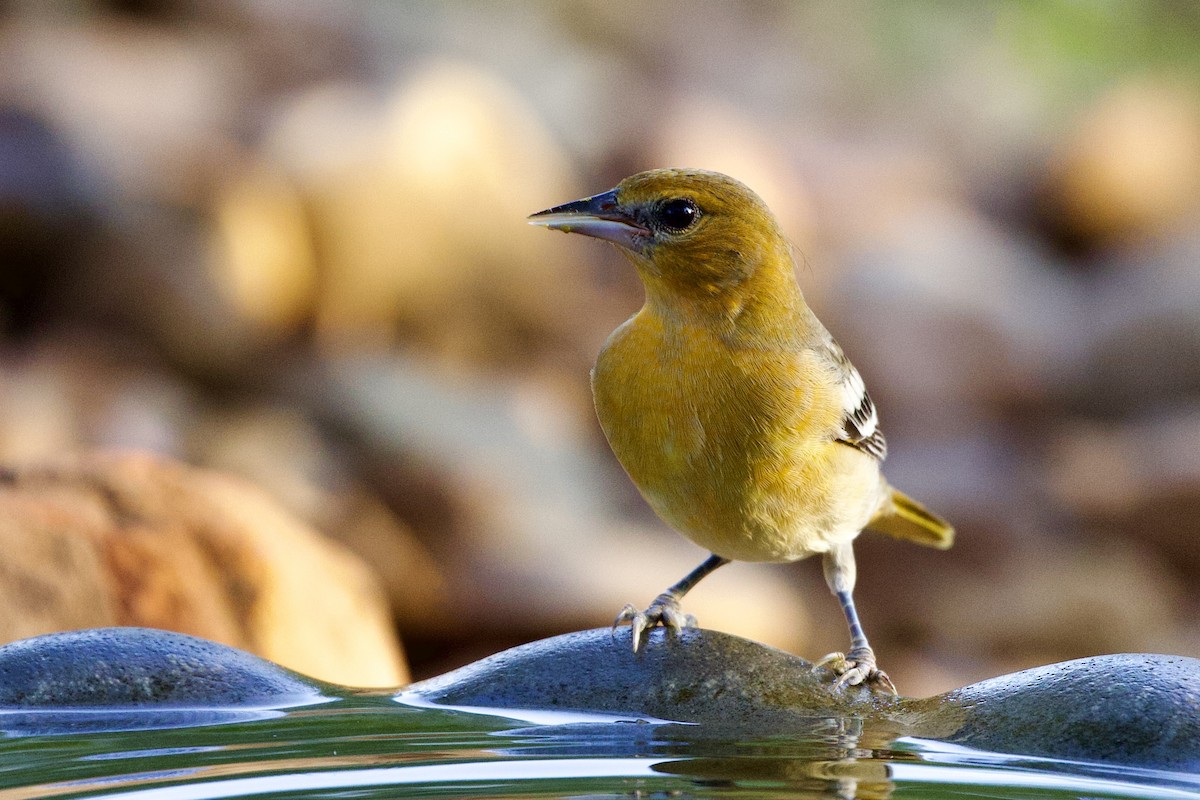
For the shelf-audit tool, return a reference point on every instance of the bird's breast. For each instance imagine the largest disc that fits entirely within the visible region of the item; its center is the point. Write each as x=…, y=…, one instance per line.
x=733, y=447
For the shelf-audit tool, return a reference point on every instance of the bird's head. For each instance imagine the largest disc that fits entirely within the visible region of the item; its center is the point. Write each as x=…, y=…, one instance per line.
x=692, y=233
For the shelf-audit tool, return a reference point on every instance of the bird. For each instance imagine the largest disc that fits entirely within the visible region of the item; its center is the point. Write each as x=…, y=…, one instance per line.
x=731, y=407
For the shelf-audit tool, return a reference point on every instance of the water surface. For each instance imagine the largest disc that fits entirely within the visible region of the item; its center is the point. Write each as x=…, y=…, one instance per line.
x=372, y=746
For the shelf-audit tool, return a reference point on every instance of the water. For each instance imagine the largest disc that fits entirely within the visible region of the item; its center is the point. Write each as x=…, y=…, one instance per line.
x=371, y=746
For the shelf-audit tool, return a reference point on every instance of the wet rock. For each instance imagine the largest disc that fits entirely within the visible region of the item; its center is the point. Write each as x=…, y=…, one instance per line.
x=139, y=540
x=124, y=679
x=1129, y=709
x=1136, y=710
x=141, y=667
x=700, y=676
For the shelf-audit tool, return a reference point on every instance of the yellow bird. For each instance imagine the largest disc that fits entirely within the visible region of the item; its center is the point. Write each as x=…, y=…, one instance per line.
x=733, y=410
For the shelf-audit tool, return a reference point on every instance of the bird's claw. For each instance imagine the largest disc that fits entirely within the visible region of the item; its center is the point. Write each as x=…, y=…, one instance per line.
x=663, y=611
x=857, y=668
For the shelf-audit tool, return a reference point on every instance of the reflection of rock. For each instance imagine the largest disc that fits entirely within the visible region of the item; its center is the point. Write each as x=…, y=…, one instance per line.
x=134, y=540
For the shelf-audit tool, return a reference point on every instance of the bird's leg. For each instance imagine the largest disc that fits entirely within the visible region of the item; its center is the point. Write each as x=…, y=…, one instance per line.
x=858, y=665
x=665, y=609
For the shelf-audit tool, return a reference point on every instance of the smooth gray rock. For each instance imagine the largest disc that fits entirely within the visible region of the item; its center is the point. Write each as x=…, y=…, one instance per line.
x=123, y=667
x=1134, y=710
x=1130, y=710
x=698, y=676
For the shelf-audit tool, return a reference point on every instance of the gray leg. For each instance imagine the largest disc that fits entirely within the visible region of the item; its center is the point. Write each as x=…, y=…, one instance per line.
x=686, y=584
x=665, y=609
x=858, y=665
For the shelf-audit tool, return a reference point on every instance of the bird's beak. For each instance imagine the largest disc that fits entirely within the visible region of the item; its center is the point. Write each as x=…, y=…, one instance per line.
x=600, y=216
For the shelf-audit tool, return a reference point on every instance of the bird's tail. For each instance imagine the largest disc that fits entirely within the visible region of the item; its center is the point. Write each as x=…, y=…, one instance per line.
x=905, y=518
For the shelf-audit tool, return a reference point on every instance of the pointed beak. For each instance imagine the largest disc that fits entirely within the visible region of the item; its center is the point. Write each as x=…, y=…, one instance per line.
x=600, y=216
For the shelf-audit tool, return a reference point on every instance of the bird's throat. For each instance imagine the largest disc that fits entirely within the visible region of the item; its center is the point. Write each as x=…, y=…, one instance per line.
x=767, y=307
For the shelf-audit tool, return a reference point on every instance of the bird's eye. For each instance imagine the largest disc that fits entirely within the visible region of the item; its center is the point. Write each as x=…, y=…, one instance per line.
x=677, y=214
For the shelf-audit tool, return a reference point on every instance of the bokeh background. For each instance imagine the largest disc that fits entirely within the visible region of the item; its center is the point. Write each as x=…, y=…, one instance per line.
x=286, y=240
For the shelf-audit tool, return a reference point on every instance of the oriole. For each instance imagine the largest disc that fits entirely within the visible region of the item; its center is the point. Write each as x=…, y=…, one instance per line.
x=733, y=410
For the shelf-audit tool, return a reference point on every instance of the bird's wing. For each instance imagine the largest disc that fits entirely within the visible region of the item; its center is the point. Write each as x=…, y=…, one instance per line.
x=860, y=421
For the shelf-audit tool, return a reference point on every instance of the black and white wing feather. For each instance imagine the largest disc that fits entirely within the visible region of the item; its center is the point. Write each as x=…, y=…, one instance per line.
x=860, y=420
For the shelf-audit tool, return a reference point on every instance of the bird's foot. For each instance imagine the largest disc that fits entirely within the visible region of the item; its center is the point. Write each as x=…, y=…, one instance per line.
x=663, y=611
x=858, y=668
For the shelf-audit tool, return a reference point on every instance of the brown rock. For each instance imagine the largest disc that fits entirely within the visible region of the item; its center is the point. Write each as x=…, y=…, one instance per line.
x=286, y=454
x=1131, y=168
x=130, y=539
x=261, y=254
x=417, y=210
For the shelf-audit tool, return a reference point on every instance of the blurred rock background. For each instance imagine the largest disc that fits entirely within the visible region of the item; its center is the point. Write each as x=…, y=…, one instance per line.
x=286, y=241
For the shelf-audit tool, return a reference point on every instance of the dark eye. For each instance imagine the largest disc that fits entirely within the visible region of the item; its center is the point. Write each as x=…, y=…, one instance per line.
x=677, y=214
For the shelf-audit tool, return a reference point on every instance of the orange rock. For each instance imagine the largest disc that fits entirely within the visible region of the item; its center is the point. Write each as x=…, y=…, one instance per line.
x=1132, y=166
x=130, y=539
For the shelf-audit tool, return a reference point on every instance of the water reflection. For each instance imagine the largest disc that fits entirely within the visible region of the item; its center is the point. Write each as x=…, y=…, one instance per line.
x=58, y=722
x=485, y=774
x=371, y=747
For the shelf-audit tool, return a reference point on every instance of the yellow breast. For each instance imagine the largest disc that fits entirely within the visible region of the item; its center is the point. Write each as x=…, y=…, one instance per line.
x=732, y=446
